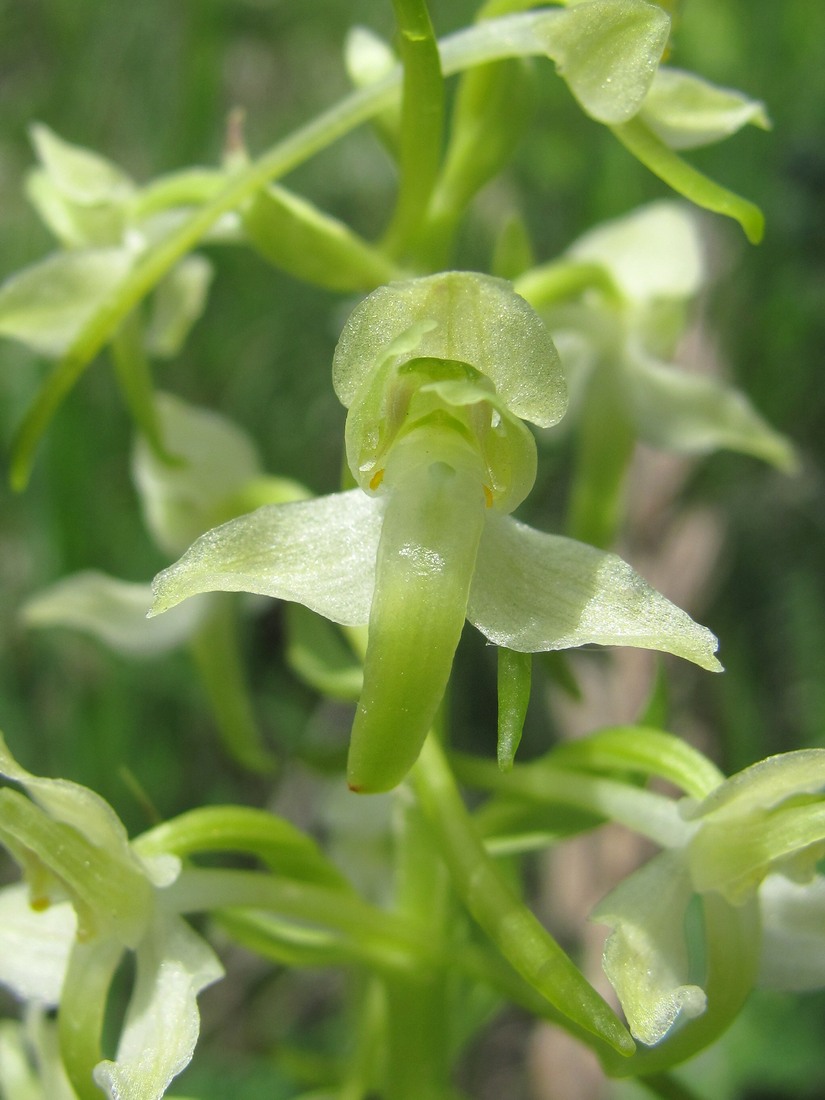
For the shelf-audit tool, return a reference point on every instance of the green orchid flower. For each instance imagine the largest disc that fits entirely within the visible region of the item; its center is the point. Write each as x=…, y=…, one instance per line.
x=749, y=849
x=89, y=898
x=617, y=304
x=438, y=375
x=217, y=475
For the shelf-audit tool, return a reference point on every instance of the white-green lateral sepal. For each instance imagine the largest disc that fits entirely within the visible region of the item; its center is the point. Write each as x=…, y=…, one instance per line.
x=462, y=317
x=173, y=965
x=652, y=253
x=645, y=956
x=177, y=303
x=114, y=612
x=320, y=553
x=215, y=459
x=694, y=414
x=793, y=934
x=46, y=305
x=685, y=111
x=533, y=592
x=432, y=524
x=607, y=51
x=34, y=945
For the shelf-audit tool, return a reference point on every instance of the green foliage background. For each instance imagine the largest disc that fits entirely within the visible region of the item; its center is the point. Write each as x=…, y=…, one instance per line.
x=149, y=84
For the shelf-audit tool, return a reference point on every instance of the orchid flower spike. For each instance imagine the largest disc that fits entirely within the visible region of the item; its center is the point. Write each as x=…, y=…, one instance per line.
x=438, y=374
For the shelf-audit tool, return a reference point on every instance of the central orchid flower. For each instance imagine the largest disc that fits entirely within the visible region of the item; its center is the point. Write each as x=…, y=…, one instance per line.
x=438, y=375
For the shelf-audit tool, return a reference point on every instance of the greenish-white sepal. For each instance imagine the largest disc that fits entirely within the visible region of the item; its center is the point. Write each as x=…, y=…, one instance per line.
x=654, y=252
x=75, y=225
x=685, y=111
x=320, y=553
x=217, y=459
x=74, y=805
x=607, y=51
x=34, y=945
x=114, y=612
x=367, y=57
x=793, y=934
x=47, y=304
x=694, y=414
x=533, y=592
x=178, y=302
x=645, y=956
x=18, y=1077
x=476, y=319
x=82, y=175
x=173, y=965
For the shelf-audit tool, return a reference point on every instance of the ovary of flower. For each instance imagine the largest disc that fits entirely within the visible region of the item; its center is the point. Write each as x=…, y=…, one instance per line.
x=438, y=375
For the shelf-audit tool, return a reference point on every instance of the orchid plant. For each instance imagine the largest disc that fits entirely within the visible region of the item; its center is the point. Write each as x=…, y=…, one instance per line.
x=455, y=383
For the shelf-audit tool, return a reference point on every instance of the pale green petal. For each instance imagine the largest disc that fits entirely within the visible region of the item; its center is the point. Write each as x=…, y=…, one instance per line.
x=475, y=319
x=162, y=1021
x=695, y=414
x=217, y=460
x=114, y=612
x=645, y=957
x=685, y=111
x=534, y=592
x=34, y=945
x=793, y=934
x=177, y=303
x=607, y=51
x=654, y=252
x=81, y=174
x=320, y=553
x=74, y=224
x=46, y=305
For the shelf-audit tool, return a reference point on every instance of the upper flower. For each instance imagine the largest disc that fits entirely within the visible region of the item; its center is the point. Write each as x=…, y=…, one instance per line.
x=437, y=374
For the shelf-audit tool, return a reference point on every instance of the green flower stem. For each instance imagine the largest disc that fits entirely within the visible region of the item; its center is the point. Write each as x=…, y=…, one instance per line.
x=645, y=750
x=733, y=945
x=422, y=121
x=458, y=52
x=216, y=649
x=418, y=1055
x=649, y=814
x=277, y=843
x=559, y=280
x=388, y=939
x=134, y=373
x=82, y=1009
x=687, y=180
x=363, y=1072
x=510, y=924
